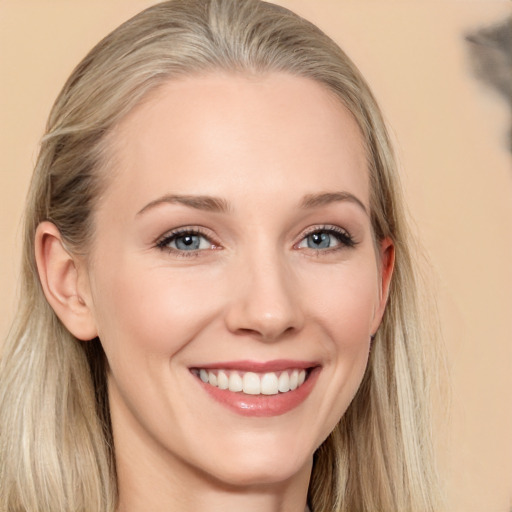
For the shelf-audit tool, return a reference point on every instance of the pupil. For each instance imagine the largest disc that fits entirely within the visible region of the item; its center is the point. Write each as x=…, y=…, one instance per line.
x=319, y=240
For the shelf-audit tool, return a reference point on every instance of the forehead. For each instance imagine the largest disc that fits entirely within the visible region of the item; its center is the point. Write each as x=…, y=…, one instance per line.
x=239, y=134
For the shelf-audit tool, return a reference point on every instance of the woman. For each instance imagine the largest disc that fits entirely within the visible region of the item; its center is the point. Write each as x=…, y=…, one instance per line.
x=214, y=241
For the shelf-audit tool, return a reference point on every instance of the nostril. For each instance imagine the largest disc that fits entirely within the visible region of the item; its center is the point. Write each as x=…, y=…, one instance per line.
x=267, y=333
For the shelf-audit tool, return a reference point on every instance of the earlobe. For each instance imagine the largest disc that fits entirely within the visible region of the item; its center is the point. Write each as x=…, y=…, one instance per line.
x=386, y=266
x=59, y=275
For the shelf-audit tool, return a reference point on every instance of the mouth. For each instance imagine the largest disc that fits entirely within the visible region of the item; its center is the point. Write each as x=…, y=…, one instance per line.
x=258, y=389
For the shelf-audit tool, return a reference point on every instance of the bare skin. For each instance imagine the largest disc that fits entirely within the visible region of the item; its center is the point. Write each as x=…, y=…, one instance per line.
x=235, y=228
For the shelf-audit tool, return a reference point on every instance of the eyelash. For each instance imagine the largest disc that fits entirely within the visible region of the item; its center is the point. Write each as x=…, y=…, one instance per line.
x=343, y=237
x=163, y=243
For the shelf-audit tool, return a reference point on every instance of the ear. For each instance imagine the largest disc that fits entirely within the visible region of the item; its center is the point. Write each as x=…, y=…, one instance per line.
x=386, y=265
x=62, y=286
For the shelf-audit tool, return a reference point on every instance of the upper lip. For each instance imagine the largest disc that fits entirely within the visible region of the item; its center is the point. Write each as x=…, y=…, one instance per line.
x=258, y=366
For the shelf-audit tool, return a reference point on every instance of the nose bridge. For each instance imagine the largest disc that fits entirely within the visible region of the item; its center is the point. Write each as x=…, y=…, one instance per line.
x=266, y=302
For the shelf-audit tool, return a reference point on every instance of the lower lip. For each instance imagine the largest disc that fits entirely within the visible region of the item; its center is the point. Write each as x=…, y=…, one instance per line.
x=263, y=405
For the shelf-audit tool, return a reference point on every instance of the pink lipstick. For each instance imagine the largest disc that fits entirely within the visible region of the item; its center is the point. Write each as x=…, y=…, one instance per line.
x=254, y=388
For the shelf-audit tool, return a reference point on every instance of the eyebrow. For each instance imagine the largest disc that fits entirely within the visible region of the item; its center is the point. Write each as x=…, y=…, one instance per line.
x=206, y=203
x=325, y=198
x=219, y=205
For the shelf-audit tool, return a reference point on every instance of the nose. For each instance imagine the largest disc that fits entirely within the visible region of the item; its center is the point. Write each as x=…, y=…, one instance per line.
x=265, y=300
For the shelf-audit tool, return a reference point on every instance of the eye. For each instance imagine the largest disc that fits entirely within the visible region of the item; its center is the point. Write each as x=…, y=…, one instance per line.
x=186, y=240
x=326, y=238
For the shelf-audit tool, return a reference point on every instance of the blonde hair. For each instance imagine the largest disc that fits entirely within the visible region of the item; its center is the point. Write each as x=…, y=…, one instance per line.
x=56, y=444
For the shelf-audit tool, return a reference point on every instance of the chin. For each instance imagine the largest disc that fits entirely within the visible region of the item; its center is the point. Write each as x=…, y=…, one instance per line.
x=256, y=476
x=260, y=468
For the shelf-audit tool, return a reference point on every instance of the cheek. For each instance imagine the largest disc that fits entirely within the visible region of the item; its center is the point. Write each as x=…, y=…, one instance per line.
x=343, y=313
x=344, y=302
x=154, y=311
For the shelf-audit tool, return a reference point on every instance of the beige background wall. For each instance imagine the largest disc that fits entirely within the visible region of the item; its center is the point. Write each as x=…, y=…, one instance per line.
x=451, y=143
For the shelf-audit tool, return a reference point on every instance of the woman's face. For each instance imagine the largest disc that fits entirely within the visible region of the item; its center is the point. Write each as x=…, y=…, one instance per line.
x=233, y=258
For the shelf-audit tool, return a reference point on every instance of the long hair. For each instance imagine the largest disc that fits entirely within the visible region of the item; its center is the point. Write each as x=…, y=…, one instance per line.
x=56, y=446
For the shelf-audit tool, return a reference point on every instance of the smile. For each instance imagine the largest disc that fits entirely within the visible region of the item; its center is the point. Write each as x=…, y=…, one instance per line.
x=258, y=389
x=252, y=383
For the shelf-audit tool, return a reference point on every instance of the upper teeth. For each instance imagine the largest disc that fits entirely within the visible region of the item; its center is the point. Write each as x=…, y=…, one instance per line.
x=254, y=383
